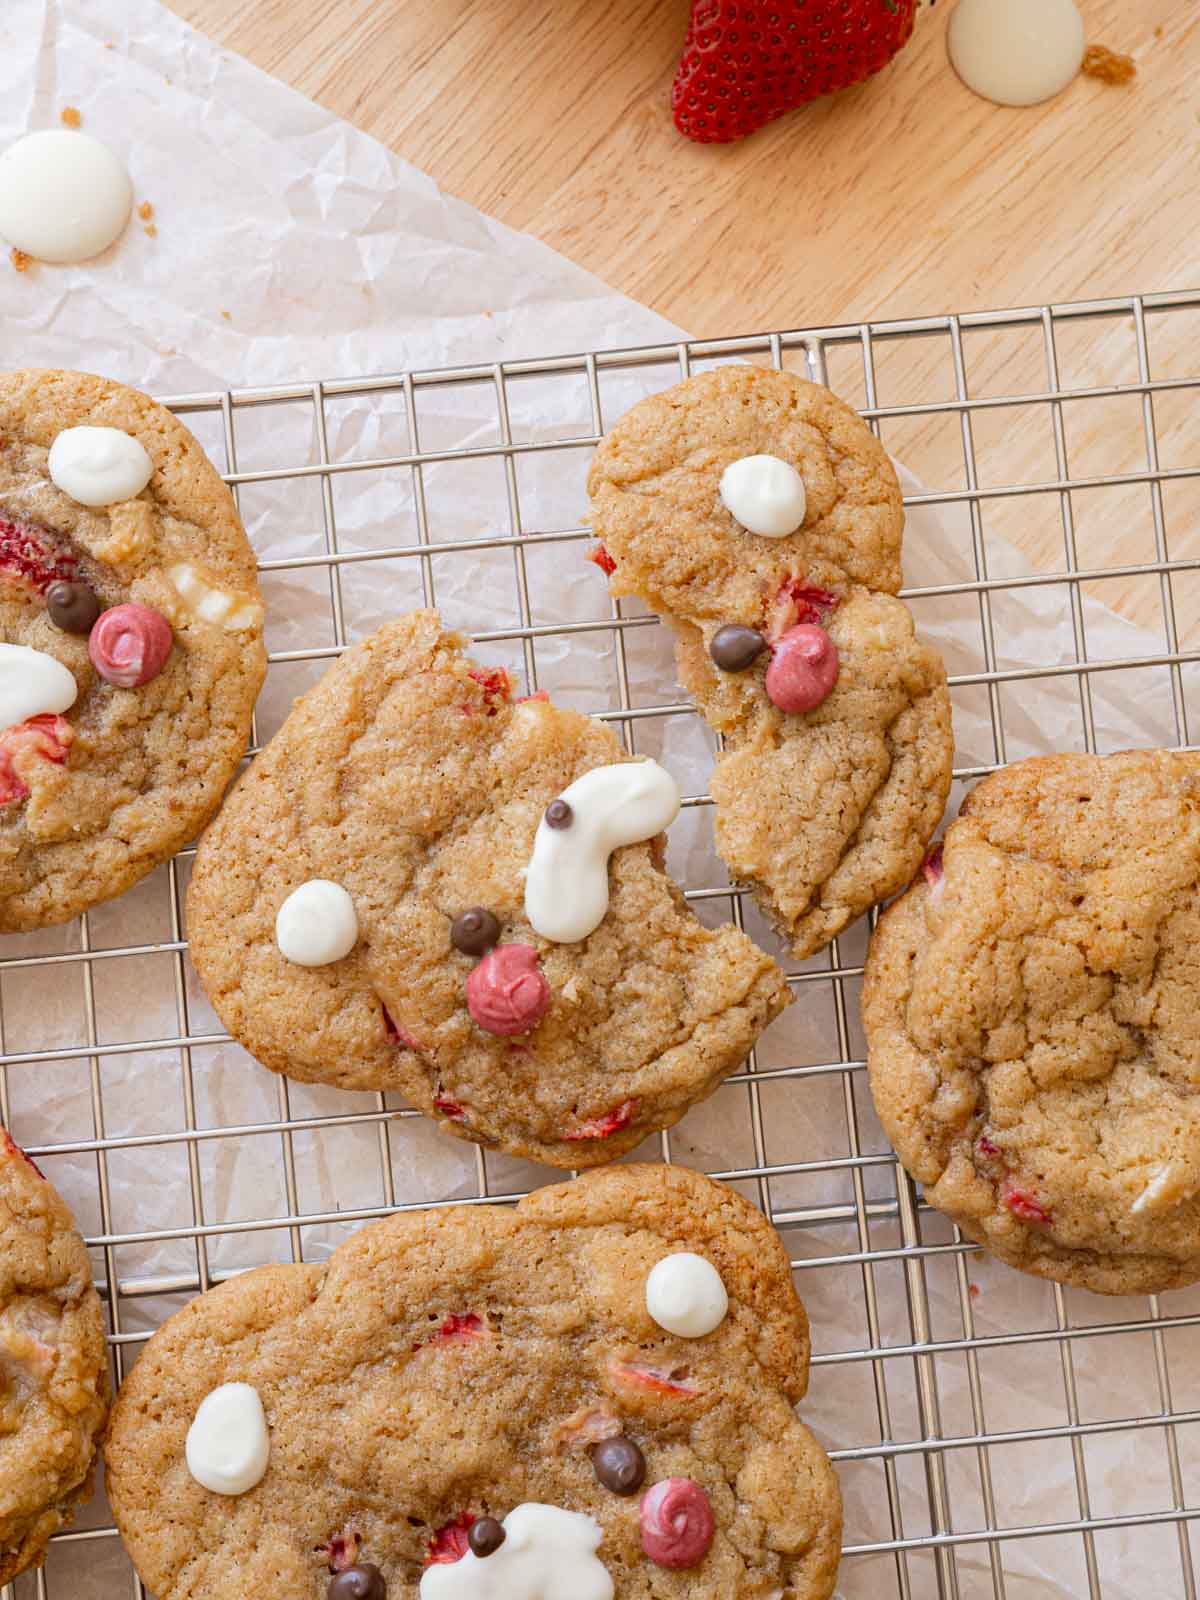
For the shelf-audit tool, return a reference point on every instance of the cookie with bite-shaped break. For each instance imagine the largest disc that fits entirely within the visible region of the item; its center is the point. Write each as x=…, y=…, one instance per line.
x=53, y=1370
x=760, y=516
x=1031, y=1018
x=423, y=885
x=479, y=1384
x=131, y=646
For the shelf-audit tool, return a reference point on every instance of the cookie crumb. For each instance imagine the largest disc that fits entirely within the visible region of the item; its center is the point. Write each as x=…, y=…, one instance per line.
x=21, y=262
x=1159, y=31
x=1107, y=66
x=145, y=210
x=228, y=315
x=150, y=230
x=71, y=116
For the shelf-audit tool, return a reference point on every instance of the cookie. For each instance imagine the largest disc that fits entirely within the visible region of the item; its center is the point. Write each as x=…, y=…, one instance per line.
x=760, y=516
x=422, y=884
x=1031, y=1018
x=484, y=1384
x=53, y=1369
x=131, y=646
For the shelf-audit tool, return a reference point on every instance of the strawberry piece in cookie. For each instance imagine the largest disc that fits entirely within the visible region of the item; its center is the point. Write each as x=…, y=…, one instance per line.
x=46, y=738
x=33, y=557
x=449, y=1543
x=1023, y=1203
x=604, y=1127
x=496, y=687
x=662, y=1380
x=796, y=602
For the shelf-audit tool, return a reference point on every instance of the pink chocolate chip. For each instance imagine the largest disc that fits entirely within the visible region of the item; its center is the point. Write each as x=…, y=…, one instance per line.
x=506, y=992
x=677, y=1523
x=804, y=668
x=130, y=644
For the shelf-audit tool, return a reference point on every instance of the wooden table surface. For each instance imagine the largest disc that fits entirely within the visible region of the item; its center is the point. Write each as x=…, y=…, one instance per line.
x=903, y=197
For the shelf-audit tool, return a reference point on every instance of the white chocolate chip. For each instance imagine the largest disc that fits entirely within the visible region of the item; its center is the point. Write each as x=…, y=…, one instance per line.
x=566, y=883
x=1016, y=52
x=1165, y=1179
x=228, y=1445
x=685, y=1295
x=316, y=924
x=211, y=604
x=99, y=466
x=765, y=494
x=547, y=1554
x=64, y=196
x=32, y=684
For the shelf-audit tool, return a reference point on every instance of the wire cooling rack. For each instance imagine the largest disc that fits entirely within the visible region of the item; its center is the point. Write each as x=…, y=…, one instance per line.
x=995, y=1436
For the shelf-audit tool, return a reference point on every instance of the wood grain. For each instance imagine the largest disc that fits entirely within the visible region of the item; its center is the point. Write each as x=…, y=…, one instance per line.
x=903, y=197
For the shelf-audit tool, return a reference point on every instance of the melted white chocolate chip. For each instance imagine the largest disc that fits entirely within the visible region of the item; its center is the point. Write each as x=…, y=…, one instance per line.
x=99, y=466
x=32, y=684
x=547, y=1554
x=566, y=884
x=210, y=604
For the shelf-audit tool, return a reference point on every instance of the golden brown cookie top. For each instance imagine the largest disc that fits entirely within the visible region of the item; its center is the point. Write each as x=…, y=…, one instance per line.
x=411, y=780
x=1032, y=1024
x=53, y=1368
x=150, y=605
x=655, y=486
x=446, y=1365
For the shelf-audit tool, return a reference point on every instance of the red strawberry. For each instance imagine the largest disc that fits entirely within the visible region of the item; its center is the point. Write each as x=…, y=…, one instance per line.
x=662, y=1380
x=449, y=1542
x=48, y=736
x=746, y=62
x=34, y=556
x=460, y=1329
x=611, y=1122
x=1023, y=1203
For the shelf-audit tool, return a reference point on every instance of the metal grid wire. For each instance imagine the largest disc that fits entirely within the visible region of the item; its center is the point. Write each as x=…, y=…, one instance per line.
x=933, y=1484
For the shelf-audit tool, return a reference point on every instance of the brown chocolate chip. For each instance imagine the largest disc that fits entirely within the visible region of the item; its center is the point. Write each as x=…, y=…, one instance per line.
x=485, y=1536
x=559, y=814
x=475, y=932
x=361, y=1582
x=734, y=648
x=619, y=1465
x=73, y=607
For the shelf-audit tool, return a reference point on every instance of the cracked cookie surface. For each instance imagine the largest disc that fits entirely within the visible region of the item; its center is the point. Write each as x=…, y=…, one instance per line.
x=826, y=811
x=53, y=1368
x=92, y=800
x=455, y=1363
x=1030, y=1007
x=410, y=778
